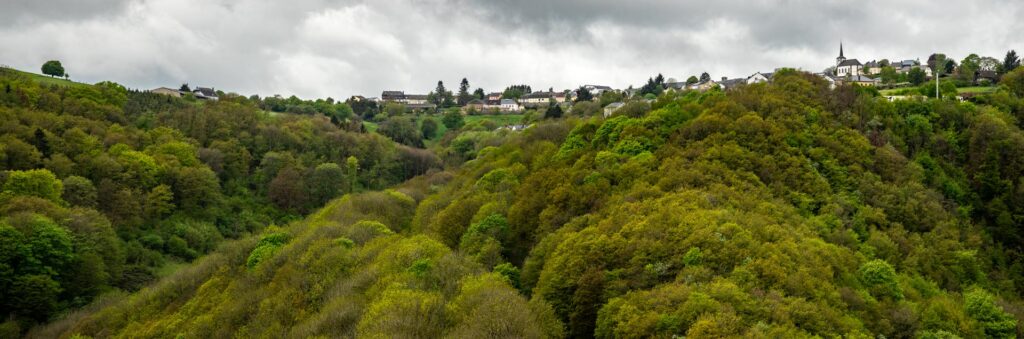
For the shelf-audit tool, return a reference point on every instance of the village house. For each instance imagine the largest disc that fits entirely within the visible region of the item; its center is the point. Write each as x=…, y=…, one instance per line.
x=597, y=90
x=510, y=105
x=873, y=67
x=393, y=96
x=475, y=104
x=416, y=99
x=494, y=96
x=536, y=99
x=759, y=77
x=727, y=83
x=611, y=108
x=859, y=80
x=205, y=93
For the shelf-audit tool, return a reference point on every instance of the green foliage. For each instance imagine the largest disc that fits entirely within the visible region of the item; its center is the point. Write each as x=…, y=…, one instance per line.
x=981, y=306
x=266, y=248
x=37, y=183
x=879, y=275
x=785, y=209
x=452, y=119
x=53, y=68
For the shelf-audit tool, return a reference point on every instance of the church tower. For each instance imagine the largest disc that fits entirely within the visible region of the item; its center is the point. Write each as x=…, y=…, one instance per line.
x=841, y=58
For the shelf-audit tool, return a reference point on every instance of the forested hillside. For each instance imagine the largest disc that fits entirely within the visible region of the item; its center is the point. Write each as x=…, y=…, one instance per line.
x=106, y=189
x=771, y=210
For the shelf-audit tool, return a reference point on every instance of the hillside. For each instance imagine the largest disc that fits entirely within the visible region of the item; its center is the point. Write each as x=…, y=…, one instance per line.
x=770, y=210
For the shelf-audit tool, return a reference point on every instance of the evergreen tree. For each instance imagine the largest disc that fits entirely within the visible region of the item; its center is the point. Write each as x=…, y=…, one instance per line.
x=1011, y=61
x=464, y=97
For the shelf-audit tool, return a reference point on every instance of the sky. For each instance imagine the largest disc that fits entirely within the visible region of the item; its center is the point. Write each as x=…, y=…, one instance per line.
x=339, y=48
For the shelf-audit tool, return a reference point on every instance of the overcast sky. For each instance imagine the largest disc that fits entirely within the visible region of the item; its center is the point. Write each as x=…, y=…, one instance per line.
x=321, y=48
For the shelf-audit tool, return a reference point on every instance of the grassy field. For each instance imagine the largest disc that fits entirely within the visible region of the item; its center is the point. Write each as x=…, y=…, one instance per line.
x=987, y=89
x=44, y=79
x=978, y=89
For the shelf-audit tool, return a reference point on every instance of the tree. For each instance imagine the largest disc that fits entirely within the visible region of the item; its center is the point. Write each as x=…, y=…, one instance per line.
x=441, y=96
x=352, y=165
x=286, y=190
x=79, y=191
x=184, y=88
x=949, y=67
x=1014, y=82
x=159, y=202
x=916, y=76
x=53, y=68
x=554, y=111
x=428, y=127
x=981, y=306
x=692, y=80
x=705, y=77
x=38, y=183
x=325, y=183
x=888, y=75
x=402, y=130
x=452, y=119
x=1011, y=61
x=464, y=97
x=40, y=142
x=479, y=94
x=583, y=94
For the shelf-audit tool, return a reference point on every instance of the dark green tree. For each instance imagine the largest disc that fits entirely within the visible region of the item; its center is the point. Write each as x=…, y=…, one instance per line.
x=428, y=128
x=916, y=76
x=554, y=111
x=1011, y=61
x=705, y=77
x=53, y=68
x=583, y=94
x=452, y=119
x=464, y=97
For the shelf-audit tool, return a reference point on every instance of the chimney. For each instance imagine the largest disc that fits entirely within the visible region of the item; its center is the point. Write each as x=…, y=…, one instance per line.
x=725, y=78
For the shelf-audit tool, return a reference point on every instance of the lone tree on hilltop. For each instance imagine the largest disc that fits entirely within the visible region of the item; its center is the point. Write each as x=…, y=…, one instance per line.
x=53, y=68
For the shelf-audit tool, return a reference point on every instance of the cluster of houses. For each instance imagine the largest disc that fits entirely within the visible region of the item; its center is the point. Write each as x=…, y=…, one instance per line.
x=202, y=93
x=845, y=71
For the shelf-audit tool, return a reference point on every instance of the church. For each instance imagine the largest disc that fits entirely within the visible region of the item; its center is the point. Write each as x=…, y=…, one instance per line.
x=847, y=67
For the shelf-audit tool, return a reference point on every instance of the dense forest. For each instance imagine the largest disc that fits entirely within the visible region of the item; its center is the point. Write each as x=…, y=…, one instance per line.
x=785, y=209
x=104, y=189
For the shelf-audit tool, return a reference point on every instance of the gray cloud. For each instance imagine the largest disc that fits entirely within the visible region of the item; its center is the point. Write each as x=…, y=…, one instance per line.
x=319, y=48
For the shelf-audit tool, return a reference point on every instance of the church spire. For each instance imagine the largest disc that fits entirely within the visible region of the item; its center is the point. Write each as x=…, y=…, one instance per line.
x=841, y=49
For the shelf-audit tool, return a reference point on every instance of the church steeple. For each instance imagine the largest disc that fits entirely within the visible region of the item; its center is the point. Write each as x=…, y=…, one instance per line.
x=841, y=58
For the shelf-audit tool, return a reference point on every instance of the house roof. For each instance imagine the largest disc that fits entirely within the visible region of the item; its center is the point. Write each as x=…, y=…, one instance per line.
x=508, y=102
x=598, y=87
x=850, y=62
x=416, y=96
x=861, y=78
x=475, y=102
x=206, y=92
x=733, y=82
x=536, y=95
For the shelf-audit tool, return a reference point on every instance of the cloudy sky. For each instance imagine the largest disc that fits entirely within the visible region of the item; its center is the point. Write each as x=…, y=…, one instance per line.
x=337, y=48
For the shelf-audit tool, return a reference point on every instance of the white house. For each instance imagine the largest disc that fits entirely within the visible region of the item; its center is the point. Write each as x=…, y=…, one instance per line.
x=205, y=93
x=509, y=105
x=597, y=90
x=611, y=108
x=759, y=78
